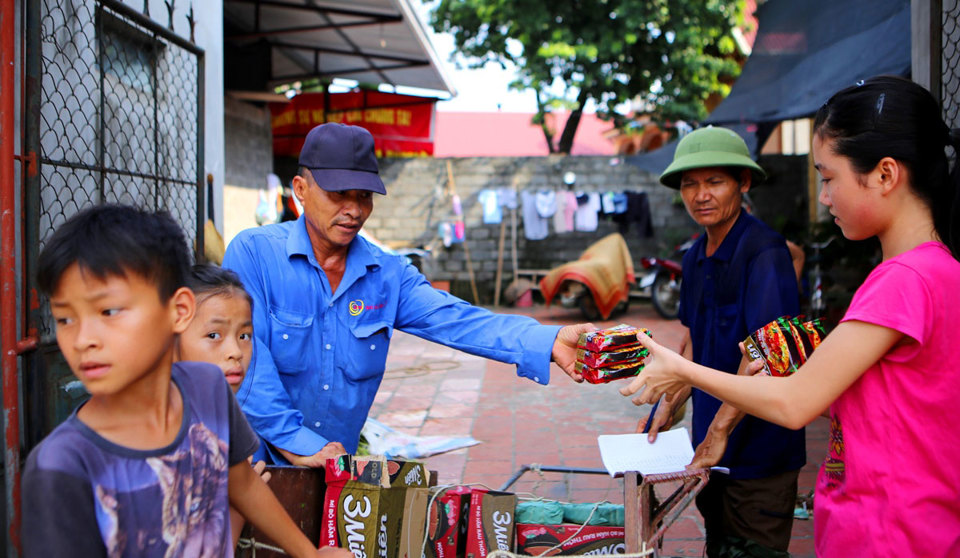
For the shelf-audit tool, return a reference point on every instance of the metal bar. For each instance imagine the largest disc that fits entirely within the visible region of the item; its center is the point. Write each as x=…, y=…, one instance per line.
x=26, y=345
x=925, y=31
x=345, y=38
x=155, y=47
x=121, y=172
x=166, y=34
x=515, y=476
x=295, y=77
x=33, y=402
x=671, y=515
x=201, y=109
x=309, y=28
x=308, y=8
x=8, y=263
x=347, y=52
x=101, y=134
x=550, y=469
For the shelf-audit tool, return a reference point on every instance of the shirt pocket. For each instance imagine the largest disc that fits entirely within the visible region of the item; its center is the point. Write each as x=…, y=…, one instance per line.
x=290, y=340
x=366, y=354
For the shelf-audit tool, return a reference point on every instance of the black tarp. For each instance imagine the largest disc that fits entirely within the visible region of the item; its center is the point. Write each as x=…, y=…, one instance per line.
x=804, y=52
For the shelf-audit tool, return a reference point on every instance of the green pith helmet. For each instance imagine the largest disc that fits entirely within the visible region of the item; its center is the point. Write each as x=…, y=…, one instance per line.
x=709, y=147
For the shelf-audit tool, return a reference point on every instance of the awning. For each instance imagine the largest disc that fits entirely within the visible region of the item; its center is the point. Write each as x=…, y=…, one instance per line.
x=270, y=42
x=806, y=51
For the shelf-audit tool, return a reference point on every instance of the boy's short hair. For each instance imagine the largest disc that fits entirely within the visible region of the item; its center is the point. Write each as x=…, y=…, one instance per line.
x=111, y=239
x=209, y=280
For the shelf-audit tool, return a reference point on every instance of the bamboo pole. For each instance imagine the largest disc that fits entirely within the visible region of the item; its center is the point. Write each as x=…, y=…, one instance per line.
x=466, y=247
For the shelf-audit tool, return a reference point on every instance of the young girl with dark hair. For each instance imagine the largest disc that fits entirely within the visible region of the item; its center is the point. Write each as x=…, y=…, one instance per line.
x=221, y=333
x=888, y=373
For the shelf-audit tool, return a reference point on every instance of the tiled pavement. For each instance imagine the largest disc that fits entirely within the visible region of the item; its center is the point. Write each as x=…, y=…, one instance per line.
x=430, y=389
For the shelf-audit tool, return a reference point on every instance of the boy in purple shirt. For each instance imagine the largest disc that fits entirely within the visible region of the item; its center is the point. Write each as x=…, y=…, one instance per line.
x=150, y=463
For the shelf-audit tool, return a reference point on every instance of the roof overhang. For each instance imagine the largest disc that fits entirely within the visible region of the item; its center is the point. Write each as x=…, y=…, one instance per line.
x=806, y=51
x=371, y=41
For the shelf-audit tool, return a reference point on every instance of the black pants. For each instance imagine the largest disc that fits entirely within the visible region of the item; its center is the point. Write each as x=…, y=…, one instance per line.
x=751, y=517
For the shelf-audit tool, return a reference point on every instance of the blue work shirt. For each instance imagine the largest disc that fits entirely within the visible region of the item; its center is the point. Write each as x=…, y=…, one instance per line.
x=319, y=355
x=747, y=283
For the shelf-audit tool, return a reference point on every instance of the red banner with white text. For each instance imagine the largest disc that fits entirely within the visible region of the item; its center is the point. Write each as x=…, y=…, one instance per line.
x=401, y=125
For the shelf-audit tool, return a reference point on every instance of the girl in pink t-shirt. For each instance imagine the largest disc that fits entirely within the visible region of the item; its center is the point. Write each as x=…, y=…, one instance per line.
x=889, y=373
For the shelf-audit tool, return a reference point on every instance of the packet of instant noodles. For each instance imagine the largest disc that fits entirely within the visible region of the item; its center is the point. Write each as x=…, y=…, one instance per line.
x=598, y=360
x=610, y=372
x=784, y=344
x=613, y=339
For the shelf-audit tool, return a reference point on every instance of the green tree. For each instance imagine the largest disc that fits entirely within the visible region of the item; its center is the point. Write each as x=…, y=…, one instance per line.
x=670, y=54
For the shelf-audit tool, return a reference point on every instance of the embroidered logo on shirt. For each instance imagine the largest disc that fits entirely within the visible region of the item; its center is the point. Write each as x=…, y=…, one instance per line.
x=356, y=306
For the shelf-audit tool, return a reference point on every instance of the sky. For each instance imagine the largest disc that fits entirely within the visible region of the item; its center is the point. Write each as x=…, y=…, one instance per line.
x=480, y=90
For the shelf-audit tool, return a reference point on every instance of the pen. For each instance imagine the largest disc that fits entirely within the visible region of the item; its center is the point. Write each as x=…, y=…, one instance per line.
x=653, y=411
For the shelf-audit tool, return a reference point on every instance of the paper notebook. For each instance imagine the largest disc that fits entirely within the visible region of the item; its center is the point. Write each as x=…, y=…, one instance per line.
x=671, y=453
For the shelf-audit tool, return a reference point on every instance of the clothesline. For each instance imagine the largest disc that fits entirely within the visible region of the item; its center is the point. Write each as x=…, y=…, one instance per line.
x=567, y=210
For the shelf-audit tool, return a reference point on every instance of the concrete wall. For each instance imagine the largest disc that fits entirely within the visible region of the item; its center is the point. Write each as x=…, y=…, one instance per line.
x=249, y=152
x=416, y=203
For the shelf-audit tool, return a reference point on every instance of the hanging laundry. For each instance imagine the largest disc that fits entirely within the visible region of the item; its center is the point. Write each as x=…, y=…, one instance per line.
x=638, y=212
x=445, y=231
x=559, y=216
x=508, y=197
x=490, y=201
x=457, y=207
x=569, y=210
x=534, y=226
x=459, y=231
x=586, y=216
x=546, y=203
x=620, y=202
x=606, y=201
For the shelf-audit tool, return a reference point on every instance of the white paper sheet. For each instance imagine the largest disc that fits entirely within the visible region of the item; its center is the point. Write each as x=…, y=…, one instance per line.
x=671, y=453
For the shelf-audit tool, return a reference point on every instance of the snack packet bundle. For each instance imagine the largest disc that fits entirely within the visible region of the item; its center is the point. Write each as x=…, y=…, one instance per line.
x=599, y=360
x=607, y=340
x=784, y=344
x=610, y=354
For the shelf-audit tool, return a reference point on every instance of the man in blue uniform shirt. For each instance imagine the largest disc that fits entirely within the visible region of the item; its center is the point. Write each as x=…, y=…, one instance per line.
x=326, y=302
x=737, y=277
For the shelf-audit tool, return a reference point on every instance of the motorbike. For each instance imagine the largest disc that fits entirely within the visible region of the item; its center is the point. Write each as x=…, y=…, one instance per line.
x=663, y=277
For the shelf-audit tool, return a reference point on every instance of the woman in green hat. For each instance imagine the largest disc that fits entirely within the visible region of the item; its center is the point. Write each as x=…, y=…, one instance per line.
x=737, y=277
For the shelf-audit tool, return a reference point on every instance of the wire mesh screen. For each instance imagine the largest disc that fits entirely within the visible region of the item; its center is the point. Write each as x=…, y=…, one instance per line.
x=119, y=117
x=950, y=62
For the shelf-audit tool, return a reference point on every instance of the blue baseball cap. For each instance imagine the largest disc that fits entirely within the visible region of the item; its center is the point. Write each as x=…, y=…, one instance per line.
x=341, y=157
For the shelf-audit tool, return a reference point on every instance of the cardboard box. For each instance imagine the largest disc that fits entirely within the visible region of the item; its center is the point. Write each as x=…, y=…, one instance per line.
x=368, y=519
x=338, y=472
x=446, y=528
x=371, y=503
x=401, y=474
x=411, y=479
x=592, y=539
x=413, y=525
x=490, y=522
